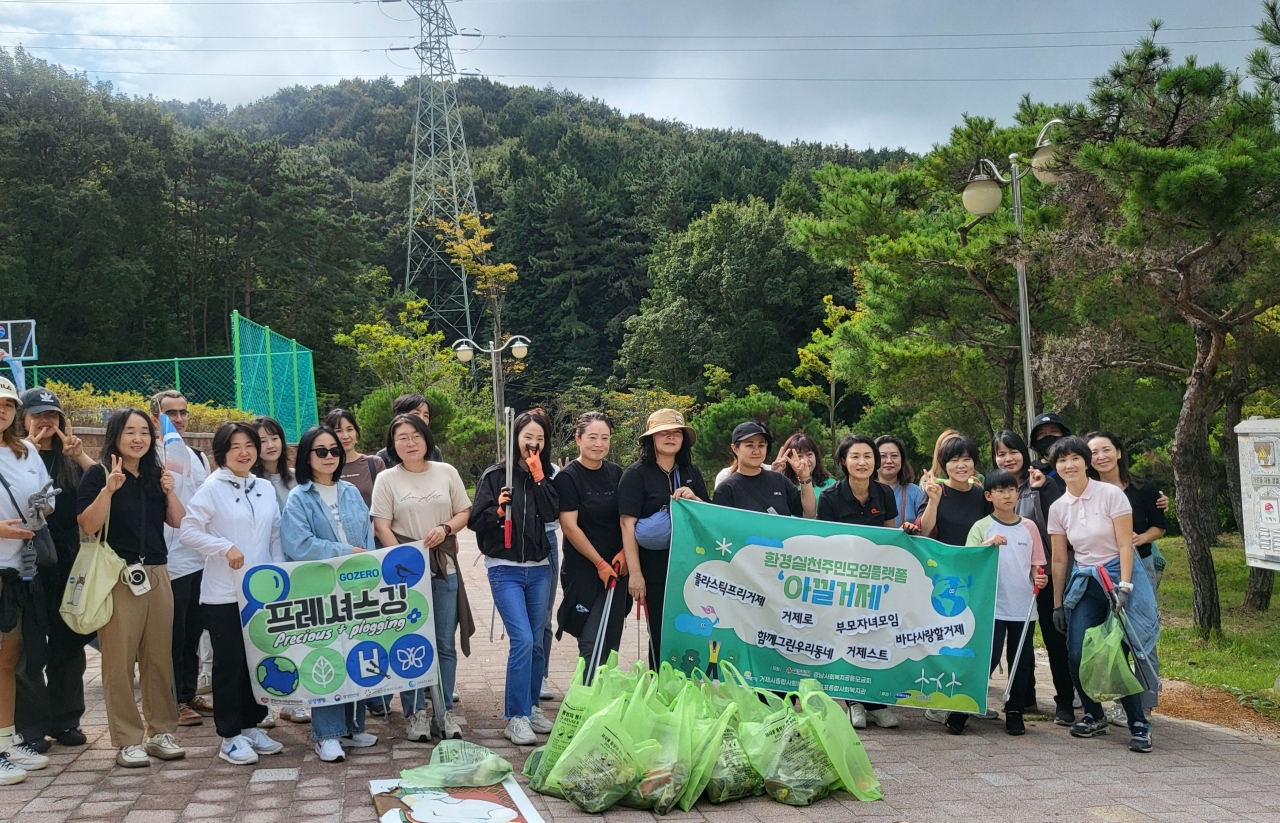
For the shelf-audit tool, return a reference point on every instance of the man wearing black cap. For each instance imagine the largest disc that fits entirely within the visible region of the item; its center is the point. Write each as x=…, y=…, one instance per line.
x=754, y=489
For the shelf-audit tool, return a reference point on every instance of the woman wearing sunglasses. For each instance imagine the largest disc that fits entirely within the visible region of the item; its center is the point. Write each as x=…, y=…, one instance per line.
x=325, y=517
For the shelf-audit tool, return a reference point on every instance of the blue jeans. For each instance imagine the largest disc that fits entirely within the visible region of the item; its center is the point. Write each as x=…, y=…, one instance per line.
x=547, y=634
x=1089, y=612
x=444, y=598
x=332, y=722
x=521, y=593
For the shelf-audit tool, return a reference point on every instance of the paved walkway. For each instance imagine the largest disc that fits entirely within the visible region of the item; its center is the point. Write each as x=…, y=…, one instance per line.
x=1197, y=772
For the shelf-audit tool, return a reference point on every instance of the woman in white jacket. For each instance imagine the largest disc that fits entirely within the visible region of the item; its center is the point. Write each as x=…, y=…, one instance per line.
x=234, y=521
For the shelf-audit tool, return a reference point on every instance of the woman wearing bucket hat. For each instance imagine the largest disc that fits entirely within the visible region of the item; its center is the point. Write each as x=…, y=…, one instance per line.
x=663, y=472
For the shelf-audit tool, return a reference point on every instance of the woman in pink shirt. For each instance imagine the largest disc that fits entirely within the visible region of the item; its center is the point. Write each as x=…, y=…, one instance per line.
x=1095, y=520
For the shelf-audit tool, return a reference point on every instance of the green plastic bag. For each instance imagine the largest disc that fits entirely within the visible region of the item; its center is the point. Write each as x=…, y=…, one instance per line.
x=836, y=736
x=754, y=705
x=785, y=752
x=457, y=763
x=664, y=779
x=708, y=740
x=579, y=703
x=603, y=761
x=732, y=776
x=670, y=683
x=1104, y=670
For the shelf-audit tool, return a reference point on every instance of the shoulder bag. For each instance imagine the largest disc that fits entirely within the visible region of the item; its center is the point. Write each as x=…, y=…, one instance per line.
x=86, y=601
x=46, y=552
x=654, y=532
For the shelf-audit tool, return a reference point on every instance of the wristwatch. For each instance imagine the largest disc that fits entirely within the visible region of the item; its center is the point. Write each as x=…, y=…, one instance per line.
x=448, y=530
x=808, y=482
x=1124, y=586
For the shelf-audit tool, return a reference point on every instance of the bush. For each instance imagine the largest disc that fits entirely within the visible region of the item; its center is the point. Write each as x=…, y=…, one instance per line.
x=373, y=415
x=715, y=424
x=86, y=406
x=470, y=447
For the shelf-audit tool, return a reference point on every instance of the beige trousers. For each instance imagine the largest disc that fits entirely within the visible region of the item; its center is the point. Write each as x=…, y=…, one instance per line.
x=140, y=631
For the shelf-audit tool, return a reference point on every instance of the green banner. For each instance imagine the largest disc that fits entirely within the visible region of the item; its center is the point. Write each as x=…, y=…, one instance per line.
x=871, y=613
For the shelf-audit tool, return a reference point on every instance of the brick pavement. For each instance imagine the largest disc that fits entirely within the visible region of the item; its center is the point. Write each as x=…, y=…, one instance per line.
x=1197, y=772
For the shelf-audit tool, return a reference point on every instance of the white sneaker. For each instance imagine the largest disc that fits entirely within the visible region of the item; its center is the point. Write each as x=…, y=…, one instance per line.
x=456, y=698
x=300, y=714
x=164, y=747
x=451, y=731
x=359, y=740
x=546, y=693
x=268, y=722
x=238, y=750
x=538, y=721
x=857, y=715
x=24, y=757
x=261, y=741
x=330, y=751
x=883, y=718
x=1116, y=716
x=936, y=715
x=132, y=757
x=9, y=773
x=418, y=727
x=204, y=683
x=519, y=732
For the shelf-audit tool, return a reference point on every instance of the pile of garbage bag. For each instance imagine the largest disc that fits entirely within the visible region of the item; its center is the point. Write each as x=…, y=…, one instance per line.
x=660, y=740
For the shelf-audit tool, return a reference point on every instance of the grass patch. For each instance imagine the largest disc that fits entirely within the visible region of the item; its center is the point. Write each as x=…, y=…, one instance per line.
x=1246, y=658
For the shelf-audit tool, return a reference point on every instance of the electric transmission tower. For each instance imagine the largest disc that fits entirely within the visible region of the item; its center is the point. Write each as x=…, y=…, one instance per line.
x=442, y=187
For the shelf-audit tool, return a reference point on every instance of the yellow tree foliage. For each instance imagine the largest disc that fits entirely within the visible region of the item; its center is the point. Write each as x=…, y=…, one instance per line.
x=85, y=406
x=818, y=366
x=405, y=354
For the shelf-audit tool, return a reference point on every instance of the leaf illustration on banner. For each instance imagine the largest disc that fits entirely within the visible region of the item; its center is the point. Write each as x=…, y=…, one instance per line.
x=323, y=672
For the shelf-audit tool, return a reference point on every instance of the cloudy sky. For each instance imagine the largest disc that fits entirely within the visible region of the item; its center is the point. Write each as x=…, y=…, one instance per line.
x=844, y=71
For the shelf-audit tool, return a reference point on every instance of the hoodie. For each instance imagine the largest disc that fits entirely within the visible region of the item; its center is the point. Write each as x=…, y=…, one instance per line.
x=231, y=512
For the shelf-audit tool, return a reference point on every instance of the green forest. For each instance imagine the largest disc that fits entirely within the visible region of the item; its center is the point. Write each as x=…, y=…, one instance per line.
x=809, y=285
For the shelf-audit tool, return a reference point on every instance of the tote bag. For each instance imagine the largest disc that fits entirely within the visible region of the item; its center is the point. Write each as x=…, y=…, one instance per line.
x=86, y=603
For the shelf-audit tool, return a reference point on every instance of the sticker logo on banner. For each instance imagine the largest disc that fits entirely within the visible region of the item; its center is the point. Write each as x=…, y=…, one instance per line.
x=872, y=613
x=326, y=631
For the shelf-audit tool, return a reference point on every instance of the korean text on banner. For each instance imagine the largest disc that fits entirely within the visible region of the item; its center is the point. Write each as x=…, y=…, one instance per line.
x=871, y=613
x=337, y=630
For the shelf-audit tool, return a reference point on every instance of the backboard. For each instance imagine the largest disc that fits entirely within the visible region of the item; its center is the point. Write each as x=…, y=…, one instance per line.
x=18, y=339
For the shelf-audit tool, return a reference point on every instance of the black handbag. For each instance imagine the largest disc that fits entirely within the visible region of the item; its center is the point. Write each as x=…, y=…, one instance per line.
x=46, y=552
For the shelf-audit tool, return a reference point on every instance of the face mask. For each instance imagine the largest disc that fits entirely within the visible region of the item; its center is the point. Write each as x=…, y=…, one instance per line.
x=1045, y=443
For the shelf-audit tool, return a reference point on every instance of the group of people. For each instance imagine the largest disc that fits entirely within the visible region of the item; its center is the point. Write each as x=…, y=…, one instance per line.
x=184, y=535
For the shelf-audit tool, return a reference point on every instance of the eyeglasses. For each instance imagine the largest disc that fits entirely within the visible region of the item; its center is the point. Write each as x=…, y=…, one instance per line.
x=322, y=452
x=177, y=413
x=413, y=438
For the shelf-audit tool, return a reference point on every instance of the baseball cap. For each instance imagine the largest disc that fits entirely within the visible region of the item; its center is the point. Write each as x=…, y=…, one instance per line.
x=8, y=391
x=748, y=429
x=40, y=399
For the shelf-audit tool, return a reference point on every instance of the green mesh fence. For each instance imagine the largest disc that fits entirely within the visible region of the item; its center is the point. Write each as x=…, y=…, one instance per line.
x=266, y=373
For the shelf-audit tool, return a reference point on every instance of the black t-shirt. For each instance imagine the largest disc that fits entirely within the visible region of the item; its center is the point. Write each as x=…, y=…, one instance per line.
x=63, y=527
x=958, y=511
x=127, y=533
x=839, y=504
x=760, y=493
x=593, y=494
x=645, y=488
x=1143, y=495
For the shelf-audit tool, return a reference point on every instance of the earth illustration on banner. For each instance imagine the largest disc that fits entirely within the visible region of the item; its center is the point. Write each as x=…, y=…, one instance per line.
x=347, y=628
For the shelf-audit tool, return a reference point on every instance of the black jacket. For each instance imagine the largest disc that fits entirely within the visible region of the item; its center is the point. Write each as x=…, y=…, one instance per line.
x=533, y=506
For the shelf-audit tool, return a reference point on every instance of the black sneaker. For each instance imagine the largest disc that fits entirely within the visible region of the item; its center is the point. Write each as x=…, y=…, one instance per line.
x=70, y=737
x=1140, y=737
x=1013, y=723
x=1064, y=717
x=1088, y=727
x=956, y=722
x=38, y=745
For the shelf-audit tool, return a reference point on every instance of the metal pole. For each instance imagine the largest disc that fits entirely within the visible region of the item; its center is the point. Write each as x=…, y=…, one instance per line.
x=177, y=378
x=1024, y=310
x=235, y=348
x=495, y=360
x=297, y=395
x=271, y=389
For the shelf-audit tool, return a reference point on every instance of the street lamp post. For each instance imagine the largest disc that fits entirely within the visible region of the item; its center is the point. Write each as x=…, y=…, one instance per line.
x=982, y=197
x=466, y=349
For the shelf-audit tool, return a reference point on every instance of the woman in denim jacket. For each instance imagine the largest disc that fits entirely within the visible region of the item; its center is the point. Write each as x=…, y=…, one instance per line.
x=326, y=517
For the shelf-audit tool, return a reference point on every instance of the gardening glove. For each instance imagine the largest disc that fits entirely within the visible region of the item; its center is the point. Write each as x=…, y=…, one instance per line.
x=605, y=571
x=1060, y=619
x=504, y=500
x=535, y=464
x=620, y=564
x=1122, y=600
